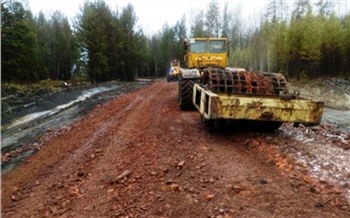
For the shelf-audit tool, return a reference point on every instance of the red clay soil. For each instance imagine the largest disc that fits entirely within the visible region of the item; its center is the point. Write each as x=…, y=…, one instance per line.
x=139, y=156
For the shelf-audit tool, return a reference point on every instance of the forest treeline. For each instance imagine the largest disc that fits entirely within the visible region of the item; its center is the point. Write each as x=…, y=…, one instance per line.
x=302, y=39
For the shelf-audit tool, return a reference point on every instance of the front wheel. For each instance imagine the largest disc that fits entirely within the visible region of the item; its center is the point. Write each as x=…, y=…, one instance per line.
x=186, y=94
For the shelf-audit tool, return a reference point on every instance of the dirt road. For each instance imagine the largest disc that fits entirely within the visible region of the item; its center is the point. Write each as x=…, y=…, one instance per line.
x=138, y=155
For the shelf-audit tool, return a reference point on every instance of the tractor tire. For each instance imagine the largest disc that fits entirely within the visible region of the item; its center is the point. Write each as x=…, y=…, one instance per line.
x=186, y=94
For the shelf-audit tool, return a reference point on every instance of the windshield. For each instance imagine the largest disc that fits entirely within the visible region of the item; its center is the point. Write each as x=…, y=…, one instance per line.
x=174, y=63
x=217, y=46
x=199, y=47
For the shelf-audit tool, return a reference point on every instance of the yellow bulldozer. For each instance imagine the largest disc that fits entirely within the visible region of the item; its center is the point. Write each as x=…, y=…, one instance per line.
x=221, y=94
x=174, y=71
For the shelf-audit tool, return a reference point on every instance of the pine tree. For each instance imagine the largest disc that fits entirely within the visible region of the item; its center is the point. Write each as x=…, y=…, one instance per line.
x=197, y=29
x=94, y=23
x=212, y=21
x=19, y=56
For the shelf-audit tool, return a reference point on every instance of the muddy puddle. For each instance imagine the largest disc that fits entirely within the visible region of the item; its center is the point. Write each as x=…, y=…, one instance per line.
x=42, y=114
x=339, y=119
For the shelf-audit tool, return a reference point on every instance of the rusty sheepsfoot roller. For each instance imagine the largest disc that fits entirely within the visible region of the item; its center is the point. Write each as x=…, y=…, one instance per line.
x=228, y=81
x=224, y=94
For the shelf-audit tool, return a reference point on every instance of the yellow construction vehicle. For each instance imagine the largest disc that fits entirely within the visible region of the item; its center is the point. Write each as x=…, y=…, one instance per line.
x=221, y=94
x=174, y=71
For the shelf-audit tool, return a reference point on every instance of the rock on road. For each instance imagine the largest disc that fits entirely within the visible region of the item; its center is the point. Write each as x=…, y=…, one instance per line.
x=138, y=155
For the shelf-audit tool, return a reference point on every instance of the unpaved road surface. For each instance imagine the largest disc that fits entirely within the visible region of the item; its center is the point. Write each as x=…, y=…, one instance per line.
x=39, y=115
x=138, y=155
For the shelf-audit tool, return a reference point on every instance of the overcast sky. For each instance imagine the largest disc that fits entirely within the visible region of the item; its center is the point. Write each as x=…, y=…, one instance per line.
x=152, y=14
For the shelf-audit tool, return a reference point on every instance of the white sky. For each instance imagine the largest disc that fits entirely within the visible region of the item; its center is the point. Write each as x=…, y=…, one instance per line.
x=152, y=14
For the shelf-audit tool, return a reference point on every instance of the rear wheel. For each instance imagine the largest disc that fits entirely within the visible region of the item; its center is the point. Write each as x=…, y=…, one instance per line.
x=186, y=94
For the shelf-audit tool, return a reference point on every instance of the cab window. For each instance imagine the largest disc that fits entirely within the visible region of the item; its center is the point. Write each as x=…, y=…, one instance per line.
x=199, y=47
x=217, y=46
